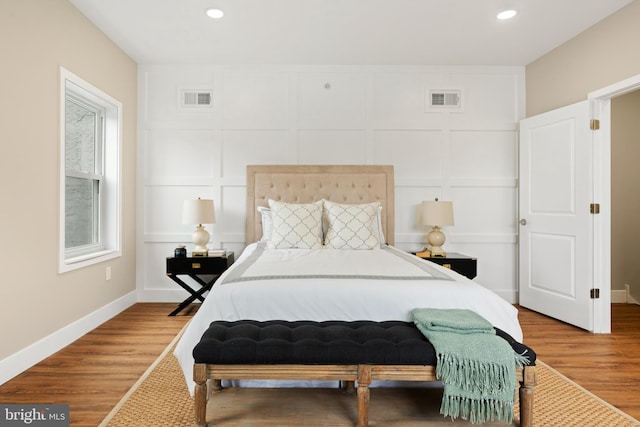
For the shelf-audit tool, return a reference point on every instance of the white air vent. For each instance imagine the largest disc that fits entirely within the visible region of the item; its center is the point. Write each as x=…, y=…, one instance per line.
x=444, y=99
x=196, y=98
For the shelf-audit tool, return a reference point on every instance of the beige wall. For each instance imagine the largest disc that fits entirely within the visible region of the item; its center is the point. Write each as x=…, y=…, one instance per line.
x=601, y=56
x=604, y=54
x=36, y=37
x=625, y=197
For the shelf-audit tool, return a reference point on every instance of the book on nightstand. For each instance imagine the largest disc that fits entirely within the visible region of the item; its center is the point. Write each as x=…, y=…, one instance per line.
x=424, y=254
x=217, y=252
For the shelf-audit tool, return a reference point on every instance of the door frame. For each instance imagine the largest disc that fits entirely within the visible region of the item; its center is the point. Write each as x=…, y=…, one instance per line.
x=600, y=106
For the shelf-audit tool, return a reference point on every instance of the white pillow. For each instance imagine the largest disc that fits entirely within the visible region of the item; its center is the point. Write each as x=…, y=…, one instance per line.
x=267, y=223
x=378, y=224
x=352, y=226
x=296, y=225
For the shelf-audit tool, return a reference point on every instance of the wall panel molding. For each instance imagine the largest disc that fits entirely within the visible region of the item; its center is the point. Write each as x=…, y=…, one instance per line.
x=324, y=114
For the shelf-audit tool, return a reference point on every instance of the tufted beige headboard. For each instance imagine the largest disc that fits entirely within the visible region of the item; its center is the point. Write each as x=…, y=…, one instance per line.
x=308, y=183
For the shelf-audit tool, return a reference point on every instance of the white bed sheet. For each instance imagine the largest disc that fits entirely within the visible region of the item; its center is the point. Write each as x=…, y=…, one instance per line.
x=321, y=299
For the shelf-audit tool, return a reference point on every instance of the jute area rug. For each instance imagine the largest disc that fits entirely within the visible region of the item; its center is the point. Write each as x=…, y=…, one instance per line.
x=160, y=398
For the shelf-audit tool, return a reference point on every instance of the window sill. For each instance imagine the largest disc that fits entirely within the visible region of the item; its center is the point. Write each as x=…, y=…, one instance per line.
x=70, y=264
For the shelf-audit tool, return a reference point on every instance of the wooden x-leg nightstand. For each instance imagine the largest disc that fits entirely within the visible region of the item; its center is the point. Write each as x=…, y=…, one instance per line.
x=194, y=267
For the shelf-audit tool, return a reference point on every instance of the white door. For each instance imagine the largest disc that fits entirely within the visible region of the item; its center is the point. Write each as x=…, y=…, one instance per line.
x=556, y=232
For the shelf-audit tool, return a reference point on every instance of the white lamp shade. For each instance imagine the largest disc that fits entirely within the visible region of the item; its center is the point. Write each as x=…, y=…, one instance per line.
x=437, y=213
x=199, y=211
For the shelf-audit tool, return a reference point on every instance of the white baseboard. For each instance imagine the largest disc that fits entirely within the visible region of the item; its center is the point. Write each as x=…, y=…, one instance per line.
x=622, y=296
x=618, y=296
x=22, y=360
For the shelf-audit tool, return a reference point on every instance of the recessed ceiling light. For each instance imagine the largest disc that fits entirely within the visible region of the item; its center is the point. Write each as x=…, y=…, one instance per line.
x=506, y=14
x=214, y=13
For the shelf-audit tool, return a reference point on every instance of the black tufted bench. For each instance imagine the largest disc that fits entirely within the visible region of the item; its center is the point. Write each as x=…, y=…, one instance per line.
x=360, y=351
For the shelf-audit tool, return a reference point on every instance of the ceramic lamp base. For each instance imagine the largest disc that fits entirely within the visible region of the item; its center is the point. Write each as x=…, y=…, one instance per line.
x=200, y=238
x=436, y=239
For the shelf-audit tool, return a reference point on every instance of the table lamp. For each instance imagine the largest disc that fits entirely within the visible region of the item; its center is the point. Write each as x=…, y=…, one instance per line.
x=437, y=214
x=199, y=211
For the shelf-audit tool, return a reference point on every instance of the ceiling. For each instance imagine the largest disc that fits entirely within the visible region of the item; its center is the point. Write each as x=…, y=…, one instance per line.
x=384, y=32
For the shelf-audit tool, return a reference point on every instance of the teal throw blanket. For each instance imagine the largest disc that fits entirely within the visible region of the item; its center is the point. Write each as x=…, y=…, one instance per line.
x=477, y=367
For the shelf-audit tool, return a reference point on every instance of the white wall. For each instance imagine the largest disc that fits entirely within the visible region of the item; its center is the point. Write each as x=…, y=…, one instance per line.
x=368, y=115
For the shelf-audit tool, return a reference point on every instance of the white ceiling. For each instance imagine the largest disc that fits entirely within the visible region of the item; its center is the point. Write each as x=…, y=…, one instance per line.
x=384, y=32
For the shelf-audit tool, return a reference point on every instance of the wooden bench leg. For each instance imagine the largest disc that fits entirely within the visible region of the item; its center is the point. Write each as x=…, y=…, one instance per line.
x=526, y=396
x=200, y=396
x=364, y=380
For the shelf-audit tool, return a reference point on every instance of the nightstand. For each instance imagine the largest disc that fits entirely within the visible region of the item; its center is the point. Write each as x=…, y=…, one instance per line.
x=194, y=267
x=463, y=264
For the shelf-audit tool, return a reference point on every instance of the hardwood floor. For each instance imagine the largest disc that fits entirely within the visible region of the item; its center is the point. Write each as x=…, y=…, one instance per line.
x=606, y=365
x=93, y=373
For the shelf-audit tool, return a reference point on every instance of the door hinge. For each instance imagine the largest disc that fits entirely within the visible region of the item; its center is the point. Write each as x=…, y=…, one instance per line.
x=594, y=208
x=594, y=124
x=595, y=293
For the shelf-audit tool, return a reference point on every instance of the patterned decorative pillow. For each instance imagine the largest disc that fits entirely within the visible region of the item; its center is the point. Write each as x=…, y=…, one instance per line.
x=296, y=225
x=352, y=226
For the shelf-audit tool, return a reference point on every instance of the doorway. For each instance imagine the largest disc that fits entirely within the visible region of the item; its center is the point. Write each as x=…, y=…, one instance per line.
x=601, y=186
x=601, y=110
x=625, y=197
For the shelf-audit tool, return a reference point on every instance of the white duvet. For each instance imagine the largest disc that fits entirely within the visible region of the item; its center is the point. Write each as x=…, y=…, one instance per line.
x=333, y=284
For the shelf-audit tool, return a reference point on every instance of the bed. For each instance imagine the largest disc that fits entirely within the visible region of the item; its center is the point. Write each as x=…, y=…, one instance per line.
x=271, y=281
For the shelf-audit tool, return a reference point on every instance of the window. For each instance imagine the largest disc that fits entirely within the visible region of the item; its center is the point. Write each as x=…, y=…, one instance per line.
x=89, y=174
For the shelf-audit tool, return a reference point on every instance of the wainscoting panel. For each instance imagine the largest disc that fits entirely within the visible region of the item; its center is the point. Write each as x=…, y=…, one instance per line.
x=424, y=146
x=331, y=115
x=245, y=147
x=399, y=99
x=173, y=154
x=320, y=147
x=490, y=100
x=336, y=100
x=469, y=147
x=255, y=99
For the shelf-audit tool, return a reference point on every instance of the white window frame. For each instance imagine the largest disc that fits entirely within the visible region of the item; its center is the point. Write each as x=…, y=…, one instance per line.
x=110, y=210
